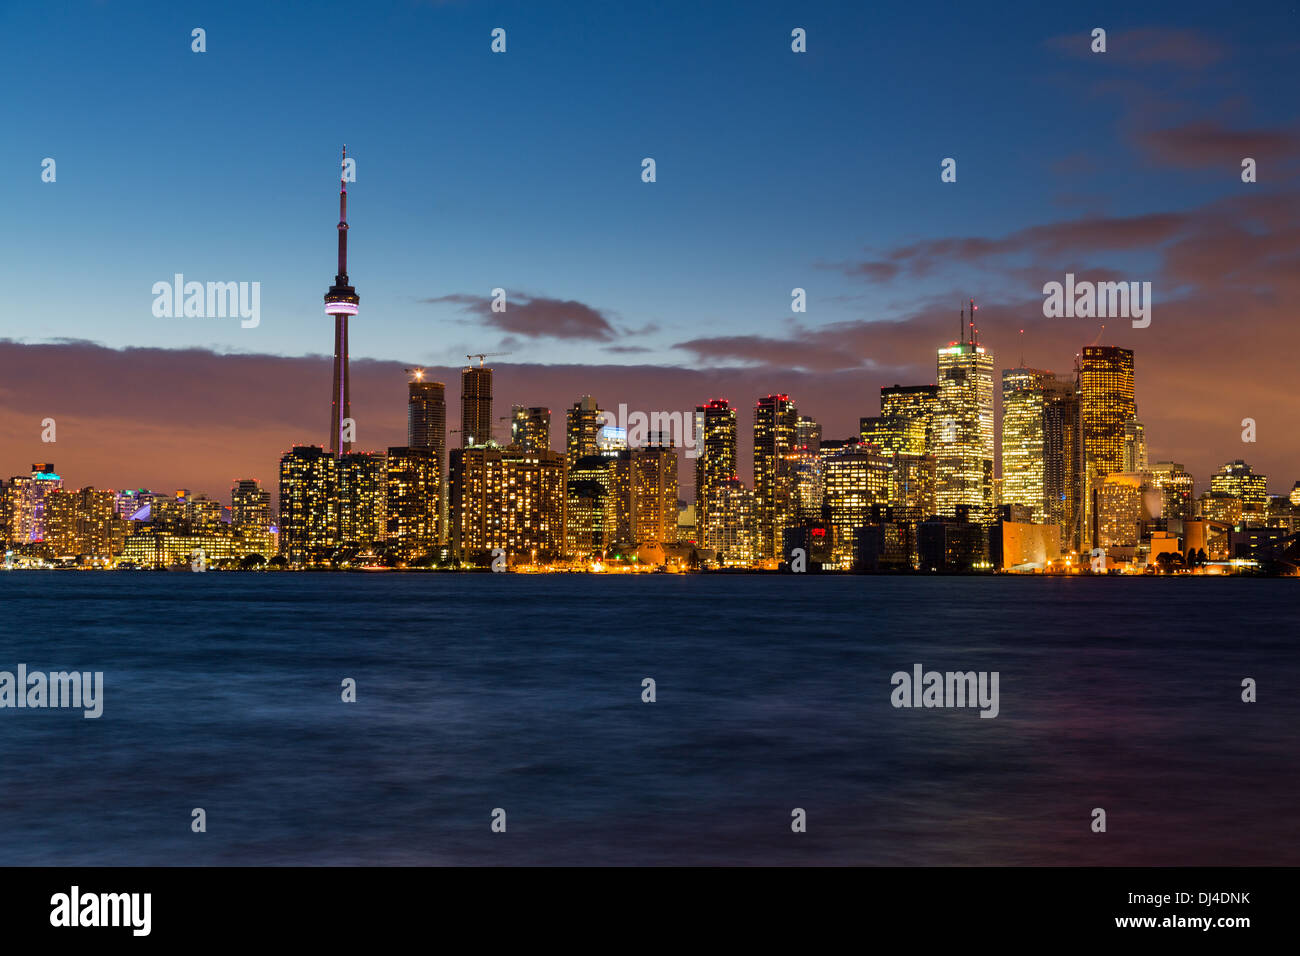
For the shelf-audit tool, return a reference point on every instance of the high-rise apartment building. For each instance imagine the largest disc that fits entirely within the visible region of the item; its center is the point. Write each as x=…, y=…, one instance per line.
x=582, y=425
x=508, y=499
x=587, y=528
x=363, y=498
x=530, y=428
x=643, y=492
x=411, y=486
x=715, y=433
x=250, y=516
x=426, y=415
x=80, y=523
x=775, y=421
x=858, y=479
x=308, y=503
x=426, y=427
x=808, y=434
x=25, y=499
x=475, y=405
x=733, y=528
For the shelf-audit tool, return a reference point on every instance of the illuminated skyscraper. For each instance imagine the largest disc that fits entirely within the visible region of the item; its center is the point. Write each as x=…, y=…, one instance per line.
x=715, y=433
x=1135, y=446
x=1062, y=461
x=426, y=427
x=250, y=516
x=643, y=490
x=411, y=488
x=911, y=490
x=582, y=425
x=732, y=529
x=530, y=428
x=808, y=434
x=250, y=505
x=586, y=527
x=1024, y=459
x=963, y=428
x=1106, y=405
x=475, y=405
x=804, y=464
x=25, y=499
x=308, y=503
x=1119, y=511
x=508, y=499
x=1238, y=480
x=909, y=401
x=906, y=421
x=363, y=498
x=775, y=420
x=80, y=523
x=857, y=479
x=186, y=512
x=1177, y=490
x=426, y=414
x=341, y=301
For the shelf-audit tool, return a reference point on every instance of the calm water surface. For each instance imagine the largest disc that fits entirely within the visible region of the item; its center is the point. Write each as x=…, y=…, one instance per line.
x=222, y=691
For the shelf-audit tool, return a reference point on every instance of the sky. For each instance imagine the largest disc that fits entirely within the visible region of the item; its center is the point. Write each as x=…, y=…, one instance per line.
x=522, y=170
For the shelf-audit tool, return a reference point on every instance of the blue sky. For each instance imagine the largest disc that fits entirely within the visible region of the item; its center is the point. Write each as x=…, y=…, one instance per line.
x=522, y=170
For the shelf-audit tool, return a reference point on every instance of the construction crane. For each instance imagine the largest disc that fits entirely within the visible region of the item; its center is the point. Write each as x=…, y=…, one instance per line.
x=483, y=355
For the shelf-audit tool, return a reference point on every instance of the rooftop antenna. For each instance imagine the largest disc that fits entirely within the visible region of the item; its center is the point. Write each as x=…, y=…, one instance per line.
x=963, y=325
x=973, y=330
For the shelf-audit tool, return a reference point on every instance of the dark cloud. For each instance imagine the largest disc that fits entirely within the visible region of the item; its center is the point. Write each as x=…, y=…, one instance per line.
x=1210, y=144
x=814, y=350
x=537, y=316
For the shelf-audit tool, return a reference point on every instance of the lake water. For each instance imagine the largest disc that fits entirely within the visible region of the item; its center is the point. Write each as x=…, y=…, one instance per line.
x=483, y=691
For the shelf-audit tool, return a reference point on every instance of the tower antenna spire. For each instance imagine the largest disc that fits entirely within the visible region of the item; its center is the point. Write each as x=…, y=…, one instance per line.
x=343, y=219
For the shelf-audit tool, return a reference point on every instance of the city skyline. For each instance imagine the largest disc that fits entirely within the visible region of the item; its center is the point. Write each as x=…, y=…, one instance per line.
x=659, y=294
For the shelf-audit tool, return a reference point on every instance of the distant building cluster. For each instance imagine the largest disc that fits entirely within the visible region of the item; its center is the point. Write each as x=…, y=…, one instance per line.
x=44, y=524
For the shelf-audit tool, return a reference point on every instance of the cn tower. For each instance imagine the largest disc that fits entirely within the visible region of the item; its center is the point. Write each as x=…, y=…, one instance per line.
x=341, y=301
